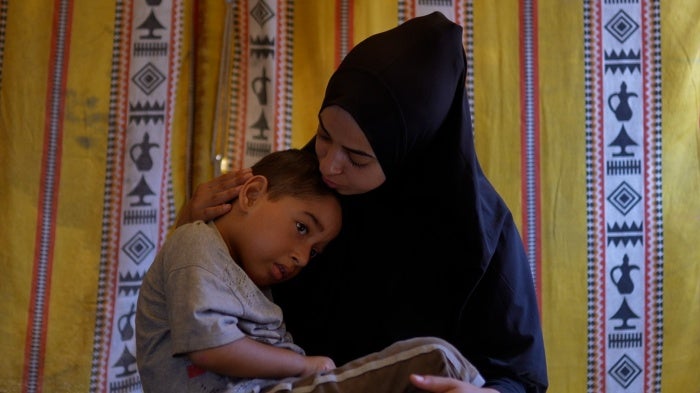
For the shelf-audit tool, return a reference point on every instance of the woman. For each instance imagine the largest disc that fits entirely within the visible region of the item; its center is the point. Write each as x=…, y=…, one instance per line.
x=428, y=247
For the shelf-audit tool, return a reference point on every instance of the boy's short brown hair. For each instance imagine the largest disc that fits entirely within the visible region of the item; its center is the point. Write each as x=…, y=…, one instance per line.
x=292, y=172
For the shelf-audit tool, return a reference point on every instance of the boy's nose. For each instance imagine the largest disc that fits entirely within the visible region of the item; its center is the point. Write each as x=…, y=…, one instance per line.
x=301, y=258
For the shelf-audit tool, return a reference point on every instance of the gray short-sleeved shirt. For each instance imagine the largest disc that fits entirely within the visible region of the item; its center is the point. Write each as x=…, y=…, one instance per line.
x=193, y=297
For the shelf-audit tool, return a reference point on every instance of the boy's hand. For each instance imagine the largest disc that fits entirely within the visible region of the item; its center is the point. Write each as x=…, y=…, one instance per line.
x=315, y=364
x=211, y=199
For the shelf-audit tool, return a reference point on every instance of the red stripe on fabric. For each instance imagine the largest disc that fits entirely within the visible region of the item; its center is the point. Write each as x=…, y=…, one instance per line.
x=536, y=120
x=410, y=9
x=55, y=104
x=242, y=117
x=199, y=10
x=523, y=128
x=344, y=22
x=647, y=186
x=338, y=53
x=598, y=162
x=117, y=192
x=536, y=117
x=651, y=287
x=122, y=151
x=523, y=143
x=351, y=25
x=170, y=102
x=280, y=59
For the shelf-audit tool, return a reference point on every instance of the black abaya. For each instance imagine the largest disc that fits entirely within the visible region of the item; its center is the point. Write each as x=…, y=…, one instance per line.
x=434, y=251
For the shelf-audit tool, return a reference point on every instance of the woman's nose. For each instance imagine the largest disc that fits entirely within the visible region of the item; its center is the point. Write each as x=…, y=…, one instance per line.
x=331, y=163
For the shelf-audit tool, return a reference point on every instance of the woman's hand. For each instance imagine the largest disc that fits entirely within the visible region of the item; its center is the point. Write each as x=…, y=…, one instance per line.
x=211, y=199
x=435, y=384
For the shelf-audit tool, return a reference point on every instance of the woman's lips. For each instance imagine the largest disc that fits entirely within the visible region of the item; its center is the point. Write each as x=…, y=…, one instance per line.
x=329, y=183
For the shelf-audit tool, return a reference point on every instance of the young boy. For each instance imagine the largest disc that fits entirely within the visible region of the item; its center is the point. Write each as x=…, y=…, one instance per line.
x=205, y=319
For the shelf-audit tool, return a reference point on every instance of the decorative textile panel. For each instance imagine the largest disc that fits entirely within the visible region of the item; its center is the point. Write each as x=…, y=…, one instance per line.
x=253, y=116
x=624, y=198
x=585, y=116
x=138, y=201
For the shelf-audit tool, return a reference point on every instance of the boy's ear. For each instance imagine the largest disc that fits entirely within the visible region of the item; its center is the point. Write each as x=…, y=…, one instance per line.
x=253, y=190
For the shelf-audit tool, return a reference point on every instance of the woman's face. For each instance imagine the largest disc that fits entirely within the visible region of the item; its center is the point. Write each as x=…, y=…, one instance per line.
x=346, y=158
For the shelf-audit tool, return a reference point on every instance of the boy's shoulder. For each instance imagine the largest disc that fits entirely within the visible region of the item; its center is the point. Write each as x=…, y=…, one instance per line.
x=192, y=233
x=196, y=241
x=194, y=226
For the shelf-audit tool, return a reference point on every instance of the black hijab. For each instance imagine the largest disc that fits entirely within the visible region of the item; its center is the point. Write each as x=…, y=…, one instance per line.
x=414, y=256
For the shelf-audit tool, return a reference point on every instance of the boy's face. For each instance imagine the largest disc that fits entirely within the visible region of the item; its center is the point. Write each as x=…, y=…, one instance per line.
x=281, y=236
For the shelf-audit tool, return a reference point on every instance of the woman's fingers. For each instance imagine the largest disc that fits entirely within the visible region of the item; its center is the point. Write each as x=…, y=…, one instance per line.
x=435, y=384
x=211, y=199
x=229, y=180
x=213, y=212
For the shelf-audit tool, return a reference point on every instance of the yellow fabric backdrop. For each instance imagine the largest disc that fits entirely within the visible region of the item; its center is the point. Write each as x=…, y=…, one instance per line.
x=25, y=63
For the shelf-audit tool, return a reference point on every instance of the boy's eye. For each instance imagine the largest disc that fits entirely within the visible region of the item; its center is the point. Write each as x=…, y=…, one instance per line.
x=313, y=253
x=302, y=229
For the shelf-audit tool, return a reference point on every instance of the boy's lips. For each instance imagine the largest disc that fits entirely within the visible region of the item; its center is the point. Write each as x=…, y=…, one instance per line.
x=279, y=271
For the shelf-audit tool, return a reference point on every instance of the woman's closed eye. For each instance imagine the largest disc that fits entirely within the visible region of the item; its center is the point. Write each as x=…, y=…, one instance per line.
x=355, y=163
x=356, y=158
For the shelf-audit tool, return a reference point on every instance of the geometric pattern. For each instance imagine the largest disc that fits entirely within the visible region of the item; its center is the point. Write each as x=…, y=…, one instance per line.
x=624, y=198
x=625, y=371
x=621, y=26
x=138, y=247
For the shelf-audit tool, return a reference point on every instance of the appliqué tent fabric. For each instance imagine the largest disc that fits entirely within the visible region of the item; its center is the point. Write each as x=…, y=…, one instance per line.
x=585, y=118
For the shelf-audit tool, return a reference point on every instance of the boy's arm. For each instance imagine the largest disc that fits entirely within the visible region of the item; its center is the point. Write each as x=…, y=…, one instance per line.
x=247, y=358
